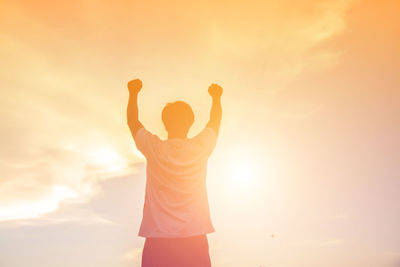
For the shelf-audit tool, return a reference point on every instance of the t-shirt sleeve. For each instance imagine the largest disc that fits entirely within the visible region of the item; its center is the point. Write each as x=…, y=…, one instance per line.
x=146, y=142
x=205, y=141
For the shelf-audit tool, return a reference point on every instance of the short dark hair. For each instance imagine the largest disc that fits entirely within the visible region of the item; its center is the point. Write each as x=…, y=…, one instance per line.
x=177, y=116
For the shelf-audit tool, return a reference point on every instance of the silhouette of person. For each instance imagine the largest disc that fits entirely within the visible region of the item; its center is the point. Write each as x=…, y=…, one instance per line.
x=176, y=217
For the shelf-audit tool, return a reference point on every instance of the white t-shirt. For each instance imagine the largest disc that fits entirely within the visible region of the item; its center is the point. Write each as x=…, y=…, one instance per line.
x=176, y=203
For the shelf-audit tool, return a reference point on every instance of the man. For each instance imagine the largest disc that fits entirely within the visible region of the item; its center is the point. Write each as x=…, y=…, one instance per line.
x=176, y=216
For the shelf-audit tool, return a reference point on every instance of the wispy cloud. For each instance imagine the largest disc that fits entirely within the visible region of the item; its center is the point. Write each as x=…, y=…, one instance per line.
x=275, y=52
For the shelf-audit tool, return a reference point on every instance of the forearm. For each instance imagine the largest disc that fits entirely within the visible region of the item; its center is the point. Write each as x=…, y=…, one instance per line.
x=215, y=114
x=132, y=112
x=216, y=109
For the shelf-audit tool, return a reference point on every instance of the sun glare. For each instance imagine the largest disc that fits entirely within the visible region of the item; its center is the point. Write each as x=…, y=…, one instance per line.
x=242, y=174
x=107, y=159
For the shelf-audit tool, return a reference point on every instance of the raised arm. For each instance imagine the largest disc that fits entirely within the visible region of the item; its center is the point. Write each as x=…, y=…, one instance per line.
x=132, y=113
x=215, y=92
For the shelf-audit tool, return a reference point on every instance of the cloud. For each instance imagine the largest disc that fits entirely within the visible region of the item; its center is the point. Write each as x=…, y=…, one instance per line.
x=97, y=232
x=56, y=144
x=62, y=106
x=34, y=208
x=38, y=175
x=272, y=43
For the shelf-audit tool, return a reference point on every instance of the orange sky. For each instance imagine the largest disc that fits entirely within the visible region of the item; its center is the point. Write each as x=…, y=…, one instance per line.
x=308, y=146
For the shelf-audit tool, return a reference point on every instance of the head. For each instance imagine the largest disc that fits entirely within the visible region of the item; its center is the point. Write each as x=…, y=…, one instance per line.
x=177, y=117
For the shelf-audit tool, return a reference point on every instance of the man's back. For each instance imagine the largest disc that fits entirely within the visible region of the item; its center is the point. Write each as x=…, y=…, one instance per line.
x=176, y=203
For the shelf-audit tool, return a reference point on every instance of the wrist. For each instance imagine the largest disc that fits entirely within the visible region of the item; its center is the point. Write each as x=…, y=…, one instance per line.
x=133, y=91
x=133, y=94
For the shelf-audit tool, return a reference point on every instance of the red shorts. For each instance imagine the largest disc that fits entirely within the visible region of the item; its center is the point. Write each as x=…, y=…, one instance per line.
x=176, y=252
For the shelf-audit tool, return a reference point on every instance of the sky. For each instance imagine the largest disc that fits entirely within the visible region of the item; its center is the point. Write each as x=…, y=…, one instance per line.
x=306, y=169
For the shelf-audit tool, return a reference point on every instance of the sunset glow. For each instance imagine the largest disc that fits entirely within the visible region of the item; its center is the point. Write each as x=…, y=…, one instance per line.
x=305, y=172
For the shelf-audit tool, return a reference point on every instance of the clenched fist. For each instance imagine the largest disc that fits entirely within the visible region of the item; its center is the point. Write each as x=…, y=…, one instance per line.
x=215, y=90
x=134, y=86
